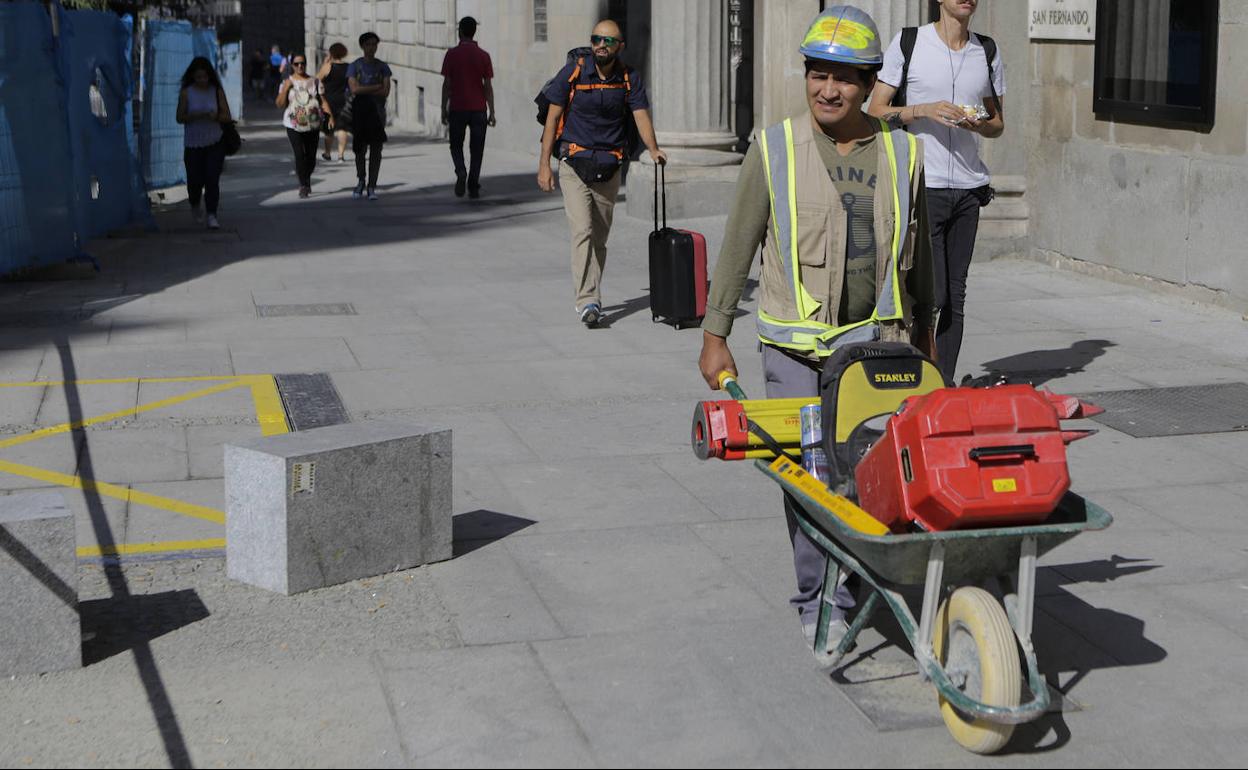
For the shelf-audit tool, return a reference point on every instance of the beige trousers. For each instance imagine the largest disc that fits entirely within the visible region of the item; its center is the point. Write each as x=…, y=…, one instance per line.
x=589, y=209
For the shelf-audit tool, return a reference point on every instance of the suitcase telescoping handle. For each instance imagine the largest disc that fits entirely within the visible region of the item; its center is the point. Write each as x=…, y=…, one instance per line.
x=660, y=170
x=997, y=452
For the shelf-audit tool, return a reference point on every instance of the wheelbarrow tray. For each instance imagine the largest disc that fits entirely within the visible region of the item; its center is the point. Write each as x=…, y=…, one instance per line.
x=970, y=554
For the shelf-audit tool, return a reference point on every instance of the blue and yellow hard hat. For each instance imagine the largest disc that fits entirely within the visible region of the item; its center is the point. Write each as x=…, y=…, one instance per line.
x=844, y=34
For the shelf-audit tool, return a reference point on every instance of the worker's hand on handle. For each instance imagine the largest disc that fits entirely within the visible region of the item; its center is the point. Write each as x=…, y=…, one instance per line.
x=715, y=358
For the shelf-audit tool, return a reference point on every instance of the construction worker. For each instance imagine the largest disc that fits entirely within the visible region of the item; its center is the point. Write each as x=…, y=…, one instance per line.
x=587, y=129
x=836, y=201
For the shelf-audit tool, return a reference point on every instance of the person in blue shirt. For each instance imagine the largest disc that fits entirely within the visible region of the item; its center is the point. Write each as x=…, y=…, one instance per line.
x=369, y=80
x=587, y=128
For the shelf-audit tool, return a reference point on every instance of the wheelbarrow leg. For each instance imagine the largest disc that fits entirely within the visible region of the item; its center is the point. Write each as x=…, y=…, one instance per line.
x=931, y=602
x=833, y=575
x=860, y=621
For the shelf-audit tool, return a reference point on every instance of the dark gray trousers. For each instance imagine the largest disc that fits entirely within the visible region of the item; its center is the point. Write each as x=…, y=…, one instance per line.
x=953, y=216
x=787, y=377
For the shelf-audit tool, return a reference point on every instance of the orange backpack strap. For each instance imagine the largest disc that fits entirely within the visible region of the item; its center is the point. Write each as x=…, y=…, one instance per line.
x=576, y=75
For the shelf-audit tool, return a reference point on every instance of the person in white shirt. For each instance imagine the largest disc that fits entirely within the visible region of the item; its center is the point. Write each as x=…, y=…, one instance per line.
x=948, y=73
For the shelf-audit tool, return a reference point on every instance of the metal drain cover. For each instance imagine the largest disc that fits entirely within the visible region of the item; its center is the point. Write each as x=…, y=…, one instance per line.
x=1174, y=411
x=322, y=308
x=311, y=401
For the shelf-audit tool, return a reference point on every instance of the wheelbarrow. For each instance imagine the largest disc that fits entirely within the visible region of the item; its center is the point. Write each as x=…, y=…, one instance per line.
x=965, y=642
x=966, y=645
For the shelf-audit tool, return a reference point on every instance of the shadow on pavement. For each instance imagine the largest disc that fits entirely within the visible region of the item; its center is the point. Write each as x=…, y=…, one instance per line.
x=1037, y=367
x=477, y=529
x=614, y=313
x=113, y=626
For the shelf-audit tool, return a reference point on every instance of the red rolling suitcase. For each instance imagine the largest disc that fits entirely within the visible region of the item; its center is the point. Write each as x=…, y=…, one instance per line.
x=678, y=282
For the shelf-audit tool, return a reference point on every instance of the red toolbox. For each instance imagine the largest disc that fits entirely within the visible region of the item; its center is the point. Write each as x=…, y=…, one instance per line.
x=960, y=458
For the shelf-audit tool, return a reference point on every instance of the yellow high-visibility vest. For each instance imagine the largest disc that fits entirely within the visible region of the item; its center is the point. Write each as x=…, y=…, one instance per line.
x=802, y=333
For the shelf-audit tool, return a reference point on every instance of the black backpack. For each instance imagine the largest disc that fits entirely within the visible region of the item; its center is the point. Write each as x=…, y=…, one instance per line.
x=860, y=387
x=577, y=56
x=911, y=34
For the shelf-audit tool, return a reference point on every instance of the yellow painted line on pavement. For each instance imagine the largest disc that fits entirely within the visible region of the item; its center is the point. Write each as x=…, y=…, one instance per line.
x=71, y=426
x=127, y=549
x=270, y=414
x=269, y=410
x=115, y=491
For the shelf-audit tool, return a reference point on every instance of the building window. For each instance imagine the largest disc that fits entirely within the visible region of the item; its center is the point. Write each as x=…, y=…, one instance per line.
x=1156, y=60
x=539, y=21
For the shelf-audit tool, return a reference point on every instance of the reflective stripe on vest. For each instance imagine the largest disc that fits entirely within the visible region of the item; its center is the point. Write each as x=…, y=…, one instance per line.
x=802, y=333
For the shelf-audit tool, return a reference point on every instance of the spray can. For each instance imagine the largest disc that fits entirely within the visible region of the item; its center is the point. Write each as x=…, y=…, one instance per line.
x=814, y=461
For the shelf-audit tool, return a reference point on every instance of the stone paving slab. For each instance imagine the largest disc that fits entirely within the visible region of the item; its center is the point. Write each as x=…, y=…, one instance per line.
x=154, y=454
x=599, y=493
x=481, y=706
x=323, y=354
x=57, y=453
x=671, y=577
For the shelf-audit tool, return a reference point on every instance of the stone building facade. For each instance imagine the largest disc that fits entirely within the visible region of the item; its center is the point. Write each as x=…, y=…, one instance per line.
x=1139, y=200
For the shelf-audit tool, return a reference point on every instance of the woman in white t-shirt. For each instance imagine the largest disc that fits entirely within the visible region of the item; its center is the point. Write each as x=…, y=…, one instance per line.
x=951, y=102
x=303, y=98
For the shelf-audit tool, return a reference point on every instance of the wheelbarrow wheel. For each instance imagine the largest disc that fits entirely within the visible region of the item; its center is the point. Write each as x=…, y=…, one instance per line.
x=975, y=645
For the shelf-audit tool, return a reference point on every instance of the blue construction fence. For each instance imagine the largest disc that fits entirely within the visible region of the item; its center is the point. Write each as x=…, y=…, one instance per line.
x=69, y=168
x=72, y=166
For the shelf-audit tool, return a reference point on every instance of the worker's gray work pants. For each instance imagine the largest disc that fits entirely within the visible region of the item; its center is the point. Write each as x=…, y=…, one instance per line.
x=787, y=377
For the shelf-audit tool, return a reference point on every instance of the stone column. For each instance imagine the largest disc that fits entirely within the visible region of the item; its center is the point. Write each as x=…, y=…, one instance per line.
x=689, y=84
x=689, y=81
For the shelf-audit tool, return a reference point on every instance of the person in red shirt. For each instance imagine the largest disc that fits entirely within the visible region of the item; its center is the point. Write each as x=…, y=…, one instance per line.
x=466, y=94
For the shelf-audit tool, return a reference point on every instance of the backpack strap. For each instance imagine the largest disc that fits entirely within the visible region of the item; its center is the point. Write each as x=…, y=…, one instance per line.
x=990, y=54
x=909, y=35
x=572, y=80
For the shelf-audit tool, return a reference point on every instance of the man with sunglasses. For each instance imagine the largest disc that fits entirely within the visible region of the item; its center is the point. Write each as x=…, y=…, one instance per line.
x=588, y=126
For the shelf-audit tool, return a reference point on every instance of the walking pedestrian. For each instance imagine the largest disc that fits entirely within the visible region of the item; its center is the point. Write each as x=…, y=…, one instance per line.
x=258, y=70
x=587, y=128
x=945, y=83
x=369, y=80
x=467, y=92
x=835, y=200
x=333, y=77
x=303, y=99
x=202, y=108
x=276, y=69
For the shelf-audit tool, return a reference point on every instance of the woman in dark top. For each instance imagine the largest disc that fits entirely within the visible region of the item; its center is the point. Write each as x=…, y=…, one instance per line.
x=333, y=77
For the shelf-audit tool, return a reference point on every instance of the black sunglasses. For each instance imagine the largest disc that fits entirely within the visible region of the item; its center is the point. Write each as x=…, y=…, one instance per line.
x=299, y=63
x=606, y=39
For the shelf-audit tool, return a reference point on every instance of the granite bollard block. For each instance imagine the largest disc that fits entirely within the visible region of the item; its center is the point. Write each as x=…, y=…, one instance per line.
x=39, y=626
x=319, y=507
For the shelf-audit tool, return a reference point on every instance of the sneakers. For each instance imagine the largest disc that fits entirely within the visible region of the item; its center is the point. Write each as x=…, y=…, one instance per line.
x=305, y=191
x=213, y=224
x=461, y=184
x=372, y=193
x=197, y=212
x=836, y=632
x=358, y=192
x=591, y=314
x=325, y=156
